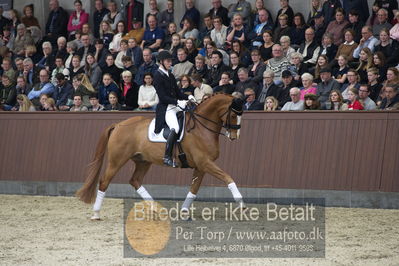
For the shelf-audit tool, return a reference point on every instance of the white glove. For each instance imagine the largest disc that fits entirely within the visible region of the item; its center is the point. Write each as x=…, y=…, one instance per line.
x=192, y=98
x=182, y=104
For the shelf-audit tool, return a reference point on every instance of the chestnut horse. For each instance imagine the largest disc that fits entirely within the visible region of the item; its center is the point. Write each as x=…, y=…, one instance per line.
x=128, y=140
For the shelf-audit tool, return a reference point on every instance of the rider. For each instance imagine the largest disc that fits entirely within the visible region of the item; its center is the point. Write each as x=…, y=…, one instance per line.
x=171, y=101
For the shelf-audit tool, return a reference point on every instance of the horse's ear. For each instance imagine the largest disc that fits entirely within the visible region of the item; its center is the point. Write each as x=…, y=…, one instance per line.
x=237, y=104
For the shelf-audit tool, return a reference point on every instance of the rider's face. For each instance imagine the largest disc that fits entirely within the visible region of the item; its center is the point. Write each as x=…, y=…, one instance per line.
x=167, y=63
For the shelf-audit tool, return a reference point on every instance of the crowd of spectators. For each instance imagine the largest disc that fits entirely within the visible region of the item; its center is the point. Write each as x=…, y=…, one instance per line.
x=343, y=55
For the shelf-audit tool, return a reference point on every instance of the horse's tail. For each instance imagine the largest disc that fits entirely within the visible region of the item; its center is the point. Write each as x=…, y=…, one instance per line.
x=87, y=192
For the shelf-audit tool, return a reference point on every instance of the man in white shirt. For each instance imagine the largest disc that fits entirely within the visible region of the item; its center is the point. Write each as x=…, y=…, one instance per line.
x=296, y=103
x=201, y=89
x=367, y=40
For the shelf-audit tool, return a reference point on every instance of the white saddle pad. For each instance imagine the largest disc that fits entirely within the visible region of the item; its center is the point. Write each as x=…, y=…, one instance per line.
x=159, y=137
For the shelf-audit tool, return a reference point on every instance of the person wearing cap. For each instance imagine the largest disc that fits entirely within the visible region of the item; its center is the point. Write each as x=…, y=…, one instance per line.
x=137, y=32
x=134, y=10
x=171, y=101
x=319, y=27
x=284, y=91
x=326, y=85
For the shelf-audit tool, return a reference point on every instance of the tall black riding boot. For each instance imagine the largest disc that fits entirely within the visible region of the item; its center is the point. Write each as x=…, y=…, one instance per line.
x=168, y=160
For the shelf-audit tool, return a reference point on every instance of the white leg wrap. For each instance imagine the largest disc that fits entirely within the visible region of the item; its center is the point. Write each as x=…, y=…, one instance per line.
x=99, y=201
x=144, y=193
x=234, y=190
x=188, y=201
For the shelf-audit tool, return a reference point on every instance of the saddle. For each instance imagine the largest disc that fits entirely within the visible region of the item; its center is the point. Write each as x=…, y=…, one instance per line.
x=163, y=135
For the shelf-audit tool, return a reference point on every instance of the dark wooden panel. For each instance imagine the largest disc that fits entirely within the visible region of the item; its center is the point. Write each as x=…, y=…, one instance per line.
x=309, y=150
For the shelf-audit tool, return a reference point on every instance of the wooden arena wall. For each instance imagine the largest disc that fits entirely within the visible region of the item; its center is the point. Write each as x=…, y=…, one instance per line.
x=353, y=151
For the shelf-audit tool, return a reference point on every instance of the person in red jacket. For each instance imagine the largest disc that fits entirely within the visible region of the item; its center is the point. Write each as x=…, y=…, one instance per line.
x=77, y=19
x=353, y=97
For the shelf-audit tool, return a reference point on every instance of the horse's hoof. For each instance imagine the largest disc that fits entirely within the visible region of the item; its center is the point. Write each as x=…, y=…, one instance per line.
x=95, y=217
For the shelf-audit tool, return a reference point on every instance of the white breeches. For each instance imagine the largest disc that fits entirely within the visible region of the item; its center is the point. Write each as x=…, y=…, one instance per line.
x=171, y=118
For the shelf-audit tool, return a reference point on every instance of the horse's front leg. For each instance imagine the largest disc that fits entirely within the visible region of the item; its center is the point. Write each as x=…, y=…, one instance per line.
x=192, y=194
x=211, y=168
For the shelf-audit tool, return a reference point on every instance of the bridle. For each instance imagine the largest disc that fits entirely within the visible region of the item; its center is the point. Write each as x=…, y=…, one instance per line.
x=227, y=124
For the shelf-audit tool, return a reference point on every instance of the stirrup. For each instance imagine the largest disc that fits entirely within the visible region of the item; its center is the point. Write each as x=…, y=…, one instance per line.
x=169, y=162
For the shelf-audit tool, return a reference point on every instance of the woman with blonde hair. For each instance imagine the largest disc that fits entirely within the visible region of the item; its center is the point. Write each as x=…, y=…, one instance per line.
x=271, y=104
x=25, y=105
x=366, y=62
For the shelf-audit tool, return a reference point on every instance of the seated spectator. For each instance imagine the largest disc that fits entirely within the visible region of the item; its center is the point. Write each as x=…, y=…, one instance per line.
x=78, y=104
x=112, y=69
x=92, y=70
x=6, y=40
x=75, y=68
x=134, y=10
x=184, y=66
x=175, y=46
x=22, y=86
x=278, y=63
x=348, y=47
x=242, y=8
x=59, y=68
x=106, y=88
x=122, y=52
x=296, y=104
x=310, y=48
x=61, y=50
x=71, y=49
x=237, y=31
x=355, y=24
x=185, y=85
x=8, y=93
x=329, y=8
x=311, y=102
x=95, y=105
x=49, y=105
x=340, y=73
x=382, y=22
x=251, y=104
x=148, y=98
x=113, y=105
x=298, y=28
x=148, y=66
x=245, y=82
x=336, y=102
x=288, y=82
x=297, y=67
x=337, y=26
x=43, y=87
x=285, y=43
x=128, y=65
x=114, y=16
x=167, y=16
x=130, y=91
x=353, y=82
x=188, y=30
x=98, y=16
x=115, y=45
x=225, y=84
x=388, y=47
x=28, y=18
x=328, y=48
x=101, y=53
x=153, y=35
x=167, y=41
x=42, y=101
x=322, y=62
x=282, y=29
x=266, y=48
x=394, y=31
x=86, y=49
x=62, y=92
x=319, y=28
x=77, y=19
x=48, y=59
x=269, y=88
x=191, y=50
x=199, y=68
x=137, y=32
x=262, y=24
x=24, y=104
x=367, y=40
x=153, y=10
x=326, y=85
x=86, y=30
x=220, y=11
x=364, y=98
x=106, y=33
x=365, y=62
x=243, y=54
x=19, y=66
x=8, y=71
x=353, y=98
x=391, y=100
x=257, y=68
x=134, y=52
x=22, y=39
x=217, y=68
x=285, y=10
x=374, y=86
x=235, y=65
x=200, y=88
x=82, y=86
x=192, y=13
x=307, y=81
x=31, y=73
x=57, y=22
x=207, y=27
x=254, y=17
x=219, y=32
x=271, y=104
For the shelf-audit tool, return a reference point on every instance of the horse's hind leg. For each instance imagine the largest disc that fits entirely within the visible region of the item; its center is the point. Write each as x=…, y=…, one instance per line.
x=137, y=179
x=111, y=170
x=192, y=194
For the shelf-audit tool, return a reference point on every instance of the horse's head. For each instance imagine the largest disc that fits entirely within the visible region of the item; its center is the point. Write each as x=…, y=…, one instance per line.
x=232, y=120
